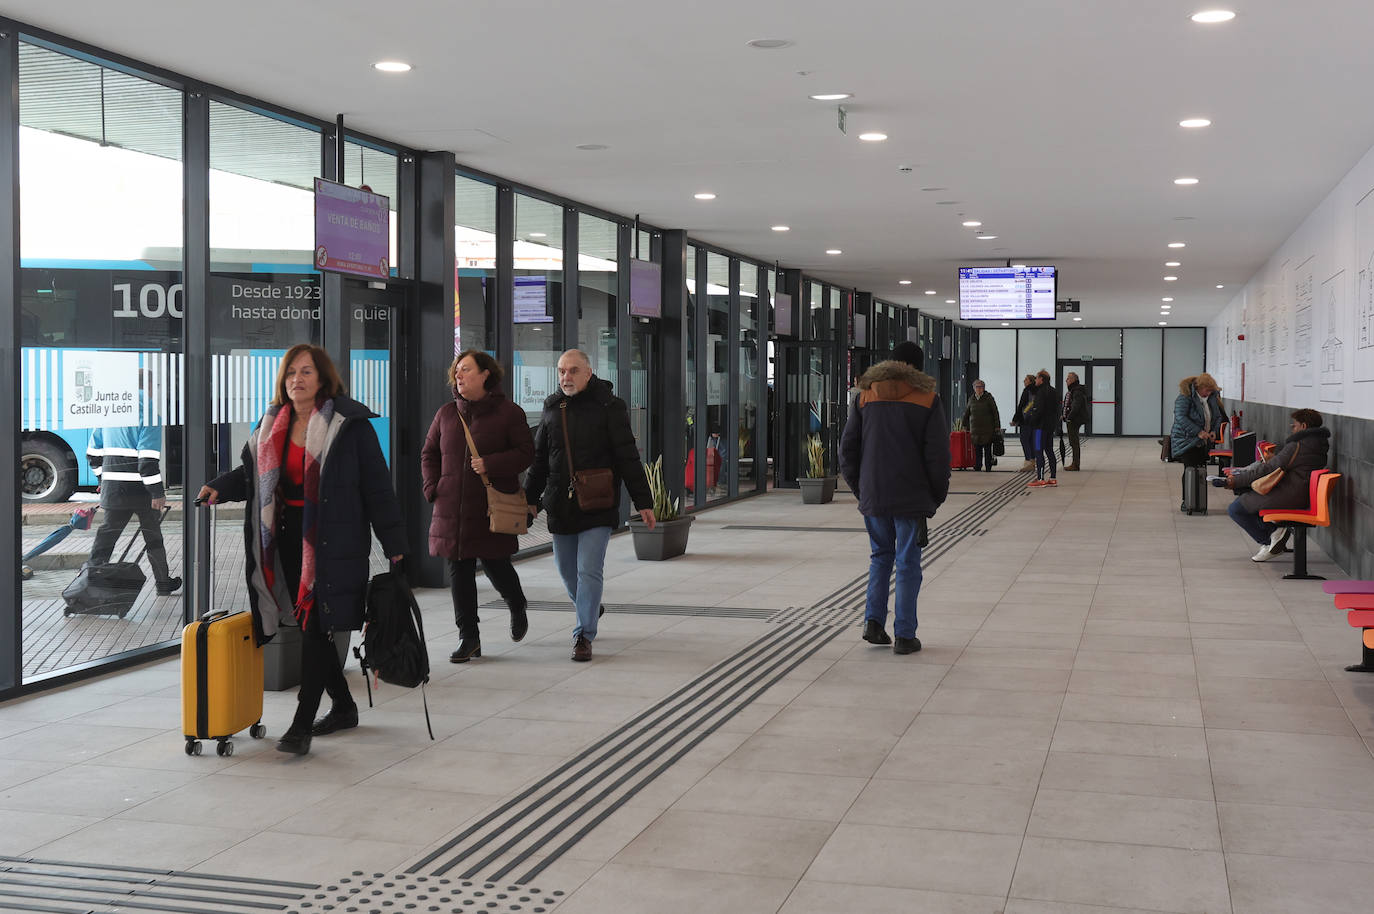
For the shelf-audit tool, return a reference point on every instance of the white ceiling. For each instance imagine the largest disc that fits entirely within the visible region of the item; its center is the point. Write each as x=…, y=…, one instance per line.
x=1053, y=122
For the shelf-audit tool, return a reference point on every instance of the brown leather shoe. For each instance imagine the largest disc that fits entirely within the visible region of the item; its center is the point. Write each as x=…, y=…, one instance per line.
x=1072, y=466
x=582, y=650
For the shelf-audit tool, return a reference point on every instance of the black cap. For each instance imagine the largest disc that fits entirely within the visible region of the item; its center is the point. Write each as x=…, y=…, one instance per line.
x=909, y=352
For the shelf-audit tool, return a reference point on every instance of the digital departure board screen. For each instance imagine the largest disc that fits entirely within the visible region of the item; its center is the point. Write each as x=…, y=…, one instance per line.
x=1006, y=293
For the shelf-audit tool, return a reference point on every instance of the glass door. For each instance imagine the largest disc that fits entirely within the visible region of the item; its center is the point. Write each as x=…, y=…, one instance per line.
x=1104, y=418
x=644, y=372
x=807, y=409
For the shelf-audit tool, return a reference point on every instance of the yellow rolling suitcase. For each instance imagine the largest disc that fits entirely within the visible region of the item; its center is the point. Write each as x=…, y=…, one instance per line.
x=221, y=681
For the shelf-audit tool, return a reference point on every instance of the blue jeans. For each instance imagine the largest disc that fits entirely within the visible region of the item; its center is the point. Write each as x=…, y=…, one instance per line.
x=1044, y=449
x=1260, y=531
x=581, y=561
x=893, y=541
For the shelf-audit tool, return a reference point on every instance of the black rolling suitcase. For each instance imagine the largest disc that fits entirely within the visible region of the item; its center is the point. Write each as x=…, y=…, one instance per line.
x=1194, y=490
x=108, y=590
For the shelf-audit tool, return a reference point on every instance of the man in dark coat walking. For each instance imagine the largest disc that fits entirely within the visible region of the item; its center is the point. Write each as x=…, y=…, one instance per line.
x=895, y=457
x=596, y=426
x=1042, y=415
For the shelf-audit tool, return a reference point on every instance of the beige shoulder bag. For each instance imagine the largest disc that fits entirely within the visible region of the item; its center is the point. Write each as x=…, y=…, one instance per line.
x=508, y=512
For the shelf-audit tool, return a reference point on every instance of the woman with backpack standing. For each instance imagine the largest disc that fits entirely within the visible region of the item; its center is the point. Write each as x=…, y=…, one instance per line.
x=460, y=531
x=317, y=487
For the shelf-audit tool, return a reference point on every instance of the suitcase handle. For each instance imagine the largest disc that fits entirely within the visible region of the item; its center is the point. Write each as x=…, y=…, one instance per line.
x=214, y=615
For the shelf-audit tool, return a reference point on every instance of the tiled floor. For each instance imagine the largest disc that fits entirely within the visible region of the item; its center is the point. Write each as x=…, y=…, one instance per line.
x=1115, y=711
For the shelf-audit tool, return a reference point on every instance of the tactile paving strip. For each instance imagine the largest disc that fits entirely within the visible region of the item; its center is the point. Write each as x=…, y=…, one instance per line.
x=380, y=893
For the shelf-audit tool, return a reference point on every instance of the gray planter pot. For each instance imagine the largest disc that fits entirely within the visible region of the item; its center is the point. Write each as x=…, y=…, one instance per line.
x=817, y=491
x=667, y=540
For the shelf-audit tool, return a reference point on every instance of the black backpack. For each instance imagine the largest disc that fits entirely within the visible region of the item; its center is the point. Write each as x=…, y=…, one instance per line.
x=393, y=645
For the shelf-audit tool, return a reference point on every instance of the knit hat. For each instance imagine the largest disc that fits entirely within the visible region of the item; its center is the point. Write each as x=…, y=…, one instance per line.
x=909, y=352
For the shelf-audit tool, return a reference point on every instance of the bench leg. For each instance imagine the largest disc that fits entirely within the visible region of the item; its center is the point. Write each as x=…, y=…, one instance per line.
x=1300, y=557
x=1366, y=664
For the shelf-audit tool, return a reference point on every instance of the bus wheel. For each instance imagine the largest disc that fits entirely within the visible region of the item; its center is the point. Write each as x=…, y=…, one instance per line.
x=46, y=473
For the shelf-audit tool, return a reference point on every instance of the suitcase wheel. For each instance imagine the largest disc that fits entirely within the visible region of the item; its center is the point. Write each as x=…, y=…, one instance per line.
x=224, y=747
x=193, y=747
x=257, y=731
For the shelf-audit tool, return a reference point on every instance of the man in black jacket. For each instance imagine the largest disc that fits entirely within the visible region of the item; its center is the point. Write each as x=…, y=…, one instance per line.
x=1043, y=417
x=895, y=457
x=596, y=426
x=1075, y=413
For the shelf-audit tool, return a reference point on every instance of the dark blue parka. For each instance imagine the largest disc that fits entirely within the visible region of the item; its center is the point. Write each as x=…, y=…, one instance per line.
x=356, y=498
x=895, y=451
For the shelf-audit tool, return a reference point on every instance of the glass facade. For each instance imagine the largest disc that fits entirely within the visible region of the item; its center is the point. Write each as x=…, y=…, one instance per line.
x=101, y=363
x=537, y=303
x=106, y=288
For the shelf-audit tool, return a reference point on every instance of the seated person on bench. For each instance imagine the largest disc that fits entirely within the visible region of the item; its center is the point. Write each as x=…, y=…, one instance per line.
x=1303, y=452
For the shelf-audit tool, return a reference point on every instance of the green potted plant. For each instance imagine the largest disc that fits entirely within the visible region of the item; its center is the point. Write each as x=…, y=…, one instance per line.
x=668, y=539
x=817, y=488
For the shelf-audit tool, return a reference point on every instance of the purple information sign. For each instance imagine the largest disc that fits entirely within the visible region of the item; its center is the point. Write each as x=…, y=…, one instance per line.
x=646, y=289
x=782, y=311
x=352, y=230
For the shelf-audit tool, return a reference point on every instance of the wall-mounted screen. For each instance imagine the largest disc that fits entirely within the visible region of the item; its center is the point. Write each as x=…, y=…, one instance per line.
x=782, y=309
x=530, y=304
x=1007, y=293
x=646, y=289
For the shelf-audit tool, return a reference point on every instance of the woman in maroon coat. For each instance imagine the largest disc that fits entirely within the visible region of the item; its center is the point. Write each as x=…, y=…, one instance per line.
x=459, y=530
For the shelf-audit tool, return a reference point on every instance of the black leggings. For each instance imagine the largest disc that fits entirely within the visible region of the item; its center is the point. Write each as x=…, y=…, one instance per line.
x=321, y=671
x=463, y=586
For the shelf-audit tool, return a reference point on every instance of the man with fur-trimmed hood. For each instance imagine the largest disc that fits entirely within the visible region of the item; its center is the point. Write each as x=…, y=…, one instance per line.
x=895, y=458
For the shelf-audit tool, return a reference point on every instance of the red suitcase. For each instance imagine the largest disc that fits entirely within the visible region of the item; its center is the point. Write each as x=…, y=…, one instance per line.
x=960, y=451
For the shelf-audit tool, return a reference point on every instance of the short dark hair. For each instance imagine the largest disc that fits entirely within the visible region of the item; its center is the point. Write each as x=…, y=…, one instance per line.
x=484, y=363
x=907, y=351
x=1044, y=373
x=331, y=385
x=1308, y=417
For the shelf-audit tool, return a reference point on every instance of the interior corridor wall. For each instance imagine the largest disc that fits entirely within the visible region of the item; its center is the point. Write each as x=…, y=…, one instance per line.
x=1142, y=381
x=997, y=368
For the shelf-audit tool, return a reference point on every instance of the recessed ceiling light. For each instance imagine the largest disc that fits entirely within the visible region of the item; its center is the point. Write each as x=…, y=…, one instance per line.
x=903, y=282
x=930, y=291
x=833, y=251
x=1177, y=244
x=1005, y=324
x=950, y=301
x=705, y=195
x=1078, y=318
x=769, y=44
x=833, y=96
x=391, y=66
x=590, y=147
x=538, y=234
x=1195, y=122
x=986, y=237
x=972, y=223
x=1212, y=17
x=782, y=228
x=1166, y=298
x=1220, y=286
x=873, y=137
x=1018, y=266
x=1172, y=263
x=1185, y=181
x=1163, y=323
x=1171, y=279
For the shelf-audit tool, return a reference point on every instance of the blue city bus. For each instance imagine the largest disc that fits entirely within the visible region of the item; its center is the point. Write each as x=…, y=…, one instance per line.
x=80, y=315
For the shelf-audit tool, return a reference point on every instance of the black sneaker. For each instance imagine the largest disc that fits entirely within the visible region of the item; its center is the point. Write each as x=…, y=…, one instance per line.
x=874, y=634
x=337, y=719
x=906, y=646
x=294, y=743
x=168, y=587
x=582, y=650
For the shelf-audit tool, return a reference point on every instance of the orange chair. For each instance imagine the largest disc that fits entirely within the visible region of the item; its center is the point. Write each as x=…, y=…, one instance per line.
x=1363, y=619
x=1318, y=514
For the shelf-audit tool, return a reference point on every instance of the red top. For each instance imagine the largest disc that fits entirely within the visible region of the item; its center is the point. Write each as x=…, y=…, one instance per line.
x=294, y=473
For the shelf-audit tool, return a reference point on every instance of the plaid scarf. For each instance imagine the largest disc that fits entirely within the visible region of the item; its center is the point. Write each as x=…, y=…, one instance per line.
x=271, y=448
